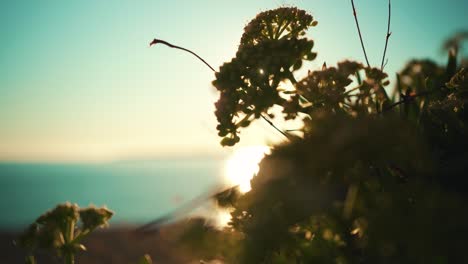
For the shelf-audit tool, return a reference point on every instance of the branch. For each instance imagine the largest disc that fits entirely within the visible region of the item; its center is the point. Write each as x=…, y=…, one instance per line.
x=359, y=31
x=382, y=65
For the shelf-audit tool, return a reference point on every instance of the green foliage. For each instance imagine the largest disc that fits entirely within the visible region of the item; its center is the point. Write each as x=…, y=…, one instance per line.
x=372, y=178
x=62, y=229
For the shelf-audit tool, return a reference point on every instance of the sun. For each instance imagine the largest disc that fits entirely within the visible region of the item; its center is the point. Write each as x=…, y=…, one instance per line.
x=243, y=165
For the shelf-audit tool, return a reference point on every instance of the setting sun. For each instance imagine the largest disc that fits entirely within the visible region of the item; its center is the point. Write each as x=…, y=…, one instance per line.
x=243, y=165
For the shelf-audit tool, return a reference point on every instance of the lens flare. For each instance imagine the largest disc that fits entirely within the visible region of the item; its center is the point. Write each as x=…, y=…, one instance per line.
x=243, y=165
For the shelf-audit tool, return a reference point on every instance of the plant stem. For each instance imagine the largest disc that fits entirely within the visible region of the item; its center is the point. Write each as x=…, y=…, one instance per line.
x=156, y=41
x=388, y=35
x=359, y=31
x=352, y=90
x=275, y=127
x=80, y=235
x=405, y=100
x=69, y=258
x=69, y=237
x=71, y=231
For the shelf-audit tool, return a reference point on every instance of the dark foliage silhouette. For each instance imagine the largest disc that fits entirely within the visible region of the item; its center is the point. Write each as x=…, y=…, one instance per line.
x=372, y=177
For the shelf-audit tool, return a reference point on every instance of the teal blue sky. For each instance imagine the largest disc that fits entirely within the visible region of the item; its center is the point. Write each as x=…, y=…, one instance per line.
x=78, y=80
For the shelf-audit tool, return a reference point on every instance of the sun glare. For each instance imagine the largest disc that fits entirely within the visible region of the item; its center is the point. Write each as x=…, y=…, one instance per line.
x=223, y=218
x=243, y=165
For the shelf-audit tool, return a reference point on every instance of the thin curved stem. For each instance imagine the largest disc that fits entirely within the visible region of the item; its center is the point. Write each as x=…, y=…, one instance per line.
x=156, y=41
x=382, y=65
x=275, y=127
x=352, y=90
x=359, y=31
x=405, y=99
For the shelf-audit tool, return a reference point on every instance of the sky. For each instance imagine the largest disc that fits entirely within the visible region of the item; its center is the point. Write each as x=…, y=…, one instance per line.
x=79, y=82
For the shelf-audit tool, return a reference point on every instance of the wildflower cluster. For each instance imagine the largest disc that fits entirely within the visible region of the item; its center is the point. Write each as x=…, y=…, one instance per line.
x=328, y=90
x=280, y=23
x=59, y=230
x=271, y=49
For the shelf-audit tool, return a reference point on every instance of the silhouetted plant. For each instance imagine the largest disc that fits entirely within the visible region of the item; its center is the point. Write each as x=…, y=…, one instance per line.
x=272, y=48
x=371, y=178
x=62, y=229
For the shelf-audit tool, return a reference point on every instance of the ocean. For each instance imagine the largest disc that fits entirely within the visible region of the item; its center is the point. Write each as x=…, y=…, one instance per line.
x=137, y=191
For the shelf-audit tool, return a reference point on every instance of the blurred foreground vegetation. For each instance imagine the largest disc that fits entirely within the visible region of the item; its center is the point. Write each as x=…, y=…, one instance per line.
x=61, y=231
x=376, y=174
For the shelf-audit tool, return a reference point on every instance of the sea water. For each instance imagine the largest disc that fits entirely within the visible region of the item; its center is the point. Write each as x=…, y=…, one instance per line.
x=138, y=191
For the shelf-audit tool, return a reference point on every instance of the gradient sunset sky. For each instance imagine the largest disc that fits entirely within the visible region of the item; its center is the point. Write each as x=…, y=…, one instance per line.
x=78, y=81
